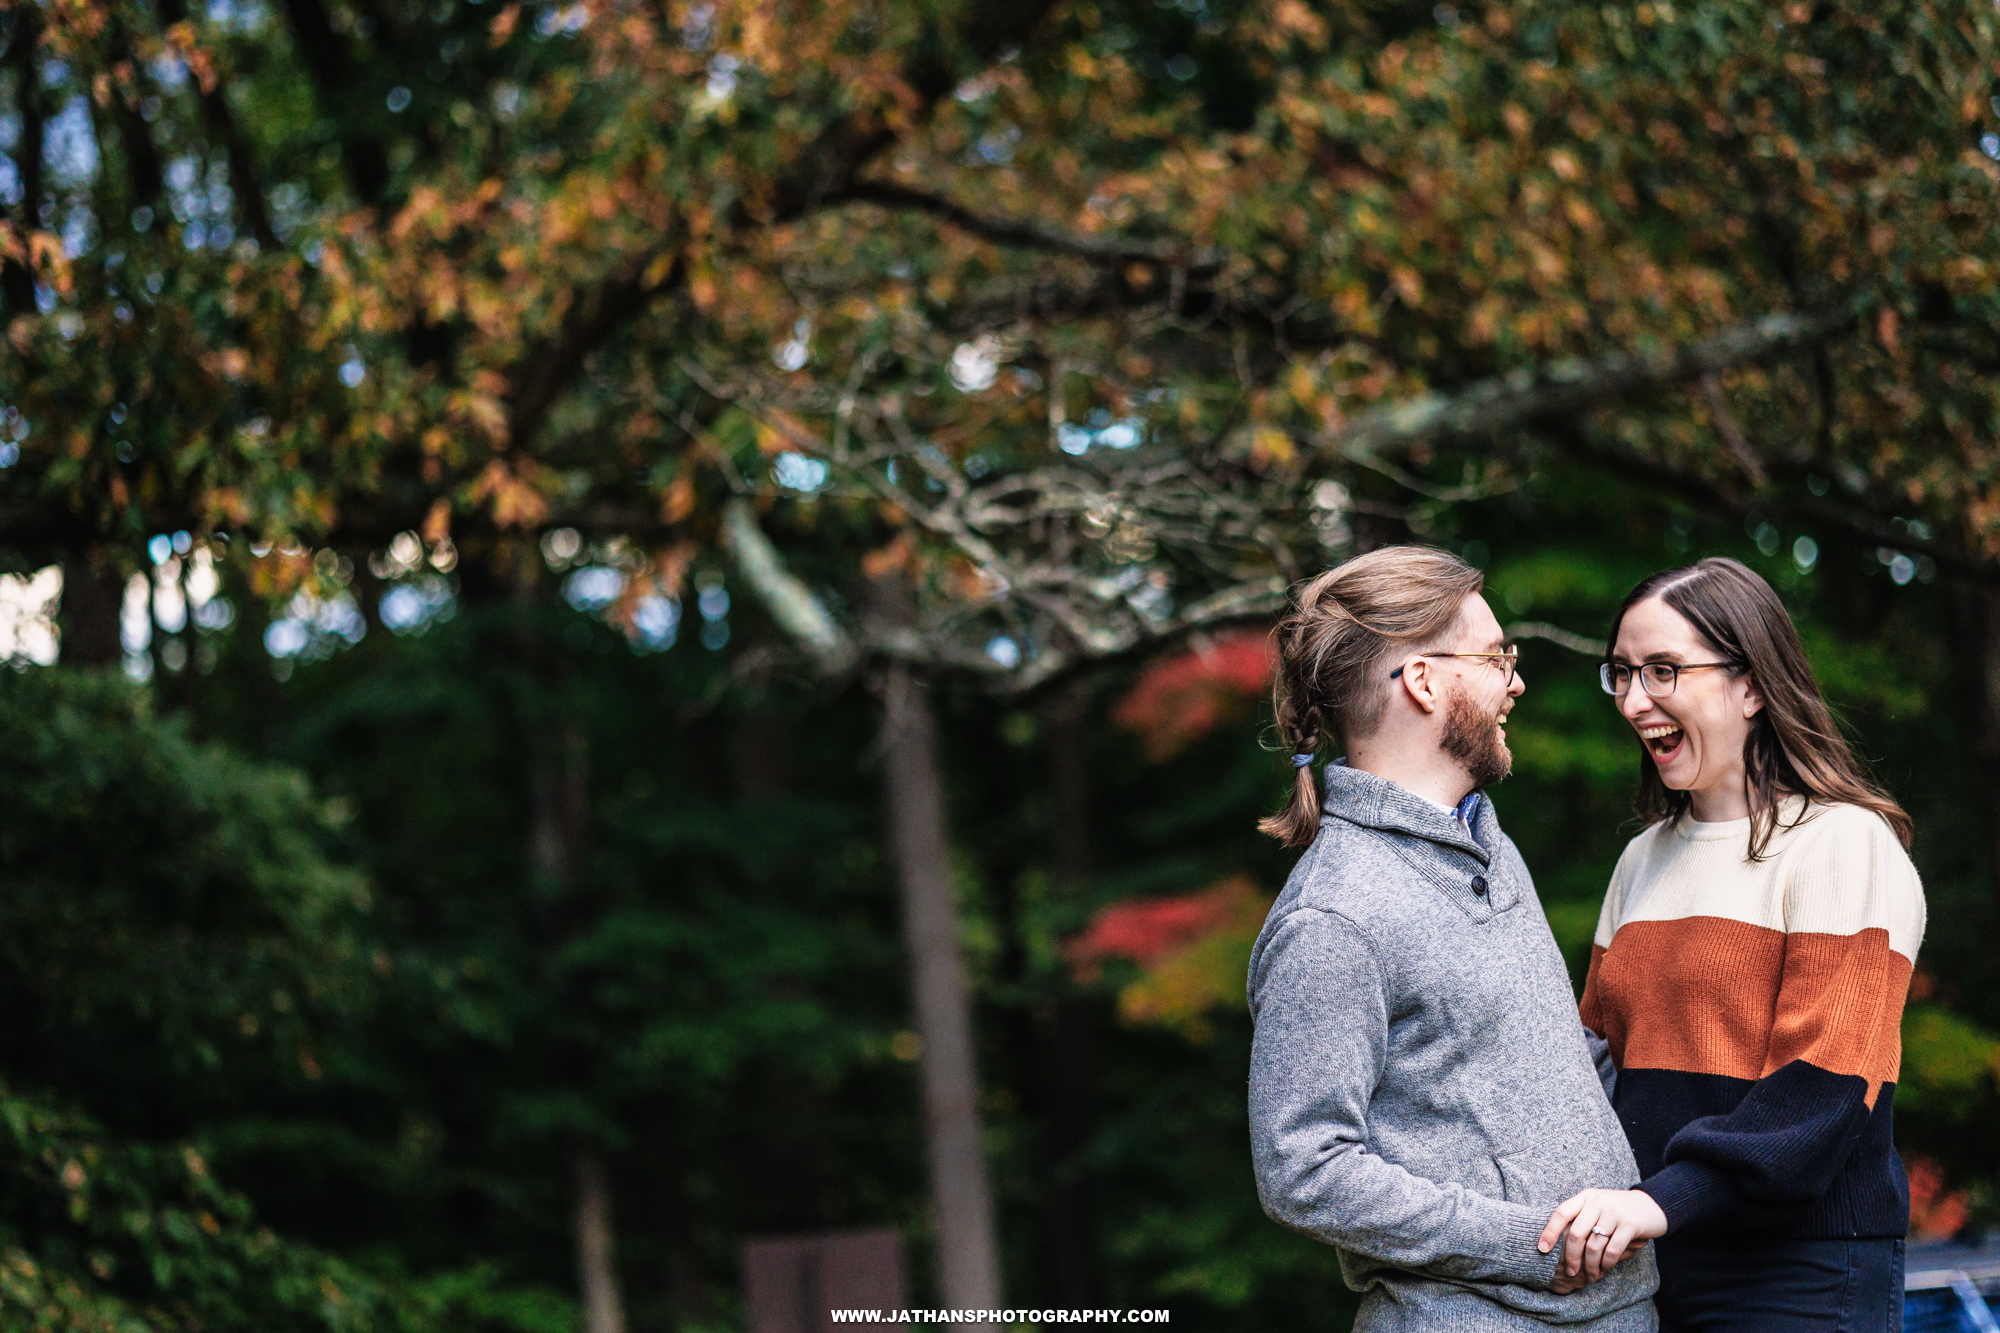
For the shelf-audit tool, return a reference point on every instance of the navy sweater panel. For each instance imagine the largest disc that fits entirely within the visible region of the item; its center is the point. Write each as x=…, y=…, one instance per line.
x=1796, y=1154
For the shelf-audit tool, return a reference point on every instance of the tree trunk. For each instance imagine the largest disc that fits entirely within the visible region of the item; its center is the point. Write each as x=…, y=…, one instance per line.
x=596, y=1245
x=1071, y=1063
x=558, y=826
x=92, y=597
x=968, y=1253
x=1976, y=635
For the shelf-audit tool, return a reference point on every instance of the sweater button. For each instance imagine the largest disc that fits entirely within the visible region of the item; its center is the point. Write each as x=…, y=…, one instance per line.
x=1479, y=885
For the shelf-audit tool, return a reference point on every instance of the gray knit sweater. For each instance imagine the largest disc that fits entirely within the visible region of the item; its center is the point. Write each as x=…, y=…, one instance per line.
x=1422, y=1094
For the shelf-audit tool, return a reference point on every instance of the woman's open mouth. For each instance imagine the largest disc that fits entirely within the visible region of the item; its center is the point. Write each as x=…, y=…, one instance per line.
x=1663, y=741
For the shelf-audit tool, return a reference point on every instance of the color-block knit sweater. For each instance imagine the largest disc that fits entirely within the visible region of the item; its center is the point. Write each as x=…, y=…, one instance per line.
x=1754, y=1012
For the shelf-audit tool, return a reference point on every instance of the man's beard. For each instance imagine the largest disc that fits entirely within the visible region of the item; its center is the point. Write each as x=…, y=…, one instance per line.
x=1473, y=738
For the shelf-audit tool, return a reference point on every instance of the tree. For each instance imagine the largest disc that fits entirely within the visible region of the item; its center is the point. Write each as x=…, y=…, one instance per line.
x=916, y=278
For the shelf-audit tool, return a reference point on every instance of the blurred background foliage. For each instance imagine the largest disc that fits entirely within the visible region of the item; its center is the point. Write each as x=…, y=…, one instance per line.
x=416, y=807
x=329, y=978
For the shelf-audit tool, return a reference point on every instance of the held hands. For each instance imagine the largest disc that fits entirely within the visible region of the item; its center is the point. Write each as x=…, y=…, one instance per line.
x=1597, y=1229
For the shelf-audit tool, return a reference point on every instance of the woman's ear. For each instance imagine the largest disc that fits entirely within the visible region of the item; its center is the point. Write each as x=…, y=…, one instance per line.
x=1753, y=698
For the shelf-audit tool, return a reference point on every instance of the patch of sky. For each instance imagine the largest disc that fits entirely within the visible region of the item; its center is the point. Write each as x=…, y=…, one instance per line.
x=976, y=364
x=1004, y=651
x=712, y=601
x=1805, y=553
x=799, y=473
x=79, y=232
x=794, y=352
x=135, y=615
x=409, y=608
x=288, y=207
x=10, y=129
x=593, y=587
x=170, y=609
x=656, y=621
x=398, y=100
x=567, y=20
x=698, y=28
x=313, y=627
x=69, y=145
x=353, y=370
x=996, y=146
x=169, y=72
x=722, y=76
x=1101, y=429
x=182, y=173
x=10, y=182
x=560, y=547
x=1989, y=144
x=28, y=616
x=243, y=16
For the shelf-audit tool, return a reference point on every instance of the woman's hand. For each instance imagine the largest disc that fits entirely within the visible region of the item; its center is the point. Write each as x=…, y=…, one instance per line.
x=1602, y=1226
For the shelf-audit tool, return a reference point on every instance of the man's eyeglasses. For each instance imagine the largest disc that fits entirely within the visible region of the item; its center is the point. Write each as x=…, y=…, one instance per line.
x=1658, y=679
x=1501, y=662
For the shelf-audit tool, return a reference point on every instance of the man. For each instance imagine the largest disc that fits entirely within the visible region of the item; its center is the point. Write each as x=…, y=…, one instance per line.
x=1422, y=1093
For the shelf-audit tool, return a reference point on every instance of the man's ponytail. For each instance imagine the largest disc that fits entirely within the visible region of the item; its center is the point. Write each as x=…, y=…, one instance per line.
x=1333, y=649
x=1296, y=824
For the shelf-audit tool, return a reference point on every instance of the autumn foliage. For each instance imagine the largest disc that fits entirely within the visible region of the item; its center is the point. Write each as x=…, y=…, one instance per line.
x=1192, y=950
x=1186, y=695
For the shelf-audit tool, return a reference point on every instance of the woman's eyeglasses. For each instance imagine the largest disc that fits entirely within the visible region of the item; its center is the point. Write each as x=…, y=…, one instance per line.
x=1657, y=679
x=1501, y=662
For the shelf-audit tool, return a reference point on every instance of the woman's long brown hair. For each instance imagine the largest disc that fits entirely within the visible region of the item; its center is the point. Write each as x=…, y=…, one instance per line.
x=1794, y=746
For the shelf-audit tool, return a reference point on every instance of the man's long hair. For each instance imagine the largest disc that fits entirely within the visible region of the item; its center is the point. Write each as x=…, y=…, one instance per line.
x=1334, y=649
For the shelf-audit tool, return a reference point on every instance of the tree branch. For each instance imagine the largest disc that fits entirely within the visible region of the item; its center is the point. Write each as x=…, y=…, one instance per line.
x=1027, y=235
x=1574, y=385
x=791, y=604
x=825, y=171
x=1562, y=638
x=544, y=372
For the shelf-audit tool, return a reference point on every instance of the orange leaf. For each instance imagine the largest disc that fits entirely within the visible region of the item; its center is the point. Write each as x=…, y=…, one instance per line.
x=437, y=523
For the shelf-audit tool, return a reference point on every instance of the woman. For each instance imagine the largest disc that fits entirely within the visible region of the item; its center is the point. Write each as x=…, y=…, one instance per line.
x=1749, y=972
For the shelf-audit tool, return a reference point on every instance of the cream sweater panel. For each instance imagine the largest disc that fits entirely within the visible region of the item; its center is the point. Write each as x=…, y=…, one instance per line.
x=1840, y=871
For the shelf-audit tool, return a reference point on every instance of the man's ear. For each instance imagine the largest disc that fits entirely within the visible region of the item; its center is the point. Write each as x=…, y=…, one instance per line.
x=1419, y=684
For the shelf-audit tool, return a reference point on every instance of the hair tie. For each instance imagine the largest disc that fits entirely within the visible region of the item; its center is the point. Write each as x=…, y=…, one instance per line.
x=1301, y=760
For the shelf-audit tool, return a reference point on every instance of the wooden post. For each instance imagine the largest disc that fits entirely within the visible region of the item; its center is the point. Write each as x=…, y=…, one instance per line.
x=793, y=1284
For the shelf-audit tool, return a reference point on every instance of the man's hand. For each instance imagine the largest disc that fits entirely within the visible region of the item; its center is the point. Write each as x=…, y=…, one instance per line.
x=1597, y=1229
